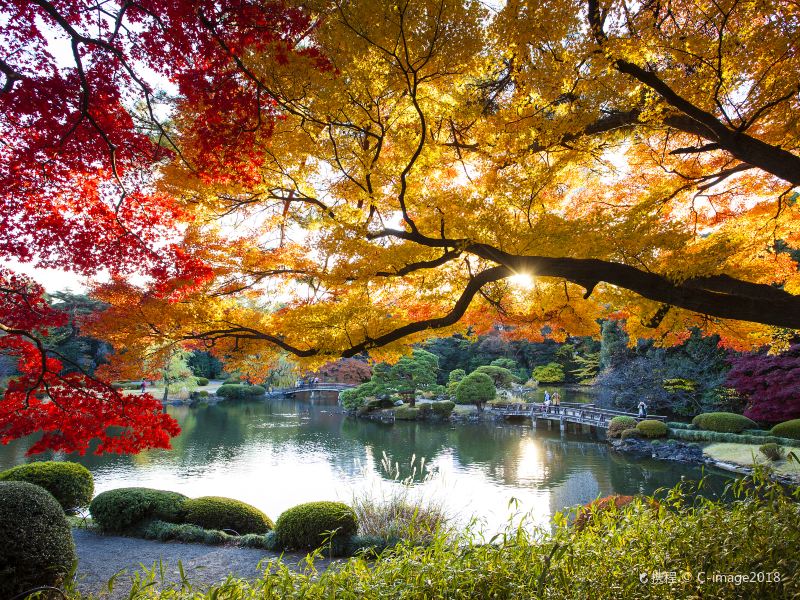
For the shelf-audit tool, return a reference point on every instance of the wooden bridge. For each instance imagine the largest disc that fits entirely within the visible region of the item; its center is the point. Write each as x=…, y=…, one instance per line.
x=584, y=415
x=310, y=388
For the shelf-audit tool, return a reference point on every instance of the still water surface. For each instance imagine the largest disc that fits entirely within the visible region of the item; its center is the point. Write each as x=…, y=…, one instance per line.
x=278, y=453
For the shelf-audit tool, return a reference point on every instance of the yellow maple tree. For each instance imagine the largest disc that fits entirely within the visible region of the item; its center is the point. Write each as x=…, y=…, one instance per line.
x=635, y=160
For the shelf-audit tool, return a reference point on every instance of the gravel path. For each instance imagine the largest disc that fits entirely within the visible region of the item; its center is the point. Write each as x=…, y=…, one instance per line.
x=101, y=556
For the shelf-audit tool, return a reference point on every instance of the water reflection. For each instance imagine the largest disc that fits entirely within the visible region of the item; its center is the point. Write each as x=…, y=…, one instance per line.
x=279, y=453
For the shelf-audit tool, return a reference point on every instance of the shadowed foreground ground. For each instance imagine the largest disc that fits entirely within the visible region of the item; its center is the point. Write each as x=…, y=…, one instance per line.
x=101, y=556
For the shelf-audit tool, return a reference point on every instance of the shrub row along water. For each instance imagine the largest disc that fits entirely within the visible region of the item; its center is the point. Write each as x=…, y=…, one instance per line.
x=166, y=515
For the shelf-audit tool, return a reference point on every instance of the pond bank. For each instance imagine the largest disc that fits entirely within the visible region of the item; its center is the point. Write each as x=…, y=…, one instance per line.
x=734, y=458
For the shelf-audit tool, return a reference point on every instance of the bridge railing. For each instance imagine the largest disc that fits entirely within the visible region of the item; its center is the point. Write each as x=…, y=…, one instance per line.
x=311, y=387
x=583, y=413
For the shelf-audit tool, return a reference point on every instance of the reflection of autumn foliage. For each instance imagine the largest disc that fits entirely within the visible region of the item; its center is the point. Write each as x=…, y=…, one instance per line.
x=770, y=382
x=345, y=370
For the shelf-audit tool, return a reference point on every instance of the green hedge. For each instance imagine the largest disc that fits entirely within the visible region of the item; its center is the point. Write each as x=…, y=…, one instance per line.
x=240, y=391
x=619, y=424
x=696, y=435
x=70, y=484
x=406, y=413
x=631, y=433
x=443, y=409
x=308, y=526
x=650, y=428
x=787, y=429
x=214, y=512
x=119, y=510
x=723, y=422
x=36, y=547
x=679, y=425
x=202, y=381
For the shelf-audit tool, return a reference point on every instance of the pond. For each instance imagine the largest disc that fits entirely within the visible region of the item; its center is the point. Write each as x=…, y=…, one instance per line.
x=278, y=453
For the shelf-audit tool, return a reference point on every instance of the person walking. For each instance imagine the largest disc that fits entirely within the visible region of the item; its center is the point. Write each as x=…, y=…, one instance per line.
x=546, y=402
x=144, y=385
x=642, y=410
x=556, y=399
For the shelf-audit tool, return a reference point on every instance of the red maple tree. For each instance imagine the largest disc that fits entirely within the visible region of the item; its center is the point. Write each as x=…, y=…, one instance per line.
x=83, y=127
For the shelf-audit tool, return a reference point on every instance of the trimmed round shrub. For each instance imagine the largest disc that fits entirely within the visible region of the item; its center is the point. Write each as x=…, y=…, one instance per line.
x=308, y=526
x=121, y=509
x=723, y=422
x=36, y=546
x=240, y=391
x=630, y=433
x=214, y=512
x=71, y=484
x=201, y=381
x=406, y=413
x=476, y=388
x=619, y=424
x=650, y=428
x=787, y=429
x=443, y=409
x=772, y=451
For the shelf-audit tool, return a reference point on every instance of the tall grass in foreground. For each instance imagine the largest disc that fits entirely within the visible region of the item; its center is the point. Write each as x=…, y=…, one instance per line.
x=683, y=546
x=400, y=514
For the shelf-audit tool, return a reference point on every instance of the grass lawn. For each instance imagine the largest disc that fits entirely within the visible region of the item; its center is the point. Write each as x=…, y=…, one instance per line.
x=743, y=454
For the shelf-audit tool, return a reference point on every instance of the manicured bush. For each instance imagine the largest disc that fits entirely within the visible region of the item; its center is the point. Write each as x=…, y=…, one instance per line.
x=240, y=391
x=214, y=512
x=36, y=547
x=650, y=428
x=119, y=510
x=351, y=399
x=425, y=410
x=772, y=451
x=201, y=381
x=679, y=425
x=71, y=484
x=476, y=388
x=406, y=413
x=787, y=429
x=234, y=380
x=619, y=424
x=723, y=422
x=308, y=526
x=697, y=435
x=630, y=433
x=442, y=409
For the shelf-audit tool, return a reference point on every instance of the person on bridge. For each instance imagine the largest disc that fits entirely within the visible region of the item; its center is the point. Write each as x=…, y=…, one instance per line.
x=556, y=398
x=546, y=402
x=642, y=410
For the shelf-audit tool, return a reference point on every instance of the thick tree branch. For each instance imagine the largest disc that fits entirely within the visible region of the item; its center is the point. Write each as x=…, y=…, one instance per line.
x=772, y=159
